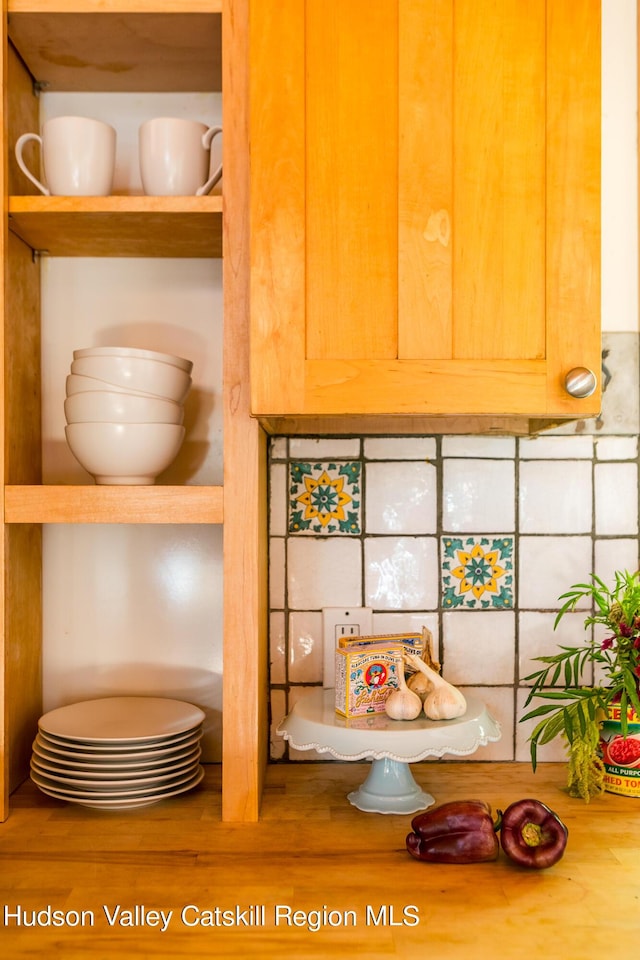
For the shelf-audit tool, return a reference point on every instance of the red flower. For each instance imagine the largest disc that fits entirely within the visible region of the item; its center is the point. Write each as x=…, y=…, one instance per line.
x=607, y=643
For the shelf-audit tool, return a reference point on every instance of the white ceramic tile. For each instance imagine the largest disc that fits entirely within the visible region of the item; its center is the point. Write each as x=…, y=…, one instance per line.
x=617, y=448
x=554, y=752
x=305, y=647
x=548, y=566
x=478, y=646
x=278, y=500
x=277, y=647
x=468, y=446
x=555, y=496
x=276, y=572
x=616, y=498
x=310, y=448
x=400, y=497
x=401, y=573
x=325, y=498
x=278, y=448
x=400, y=448
x=278, y=712
x=323, y=573
x=499, y=703
x=552, y=448
x=477, y=572
x=537, y=638
x=478, y=495
x=409, y=623
x=612, y=555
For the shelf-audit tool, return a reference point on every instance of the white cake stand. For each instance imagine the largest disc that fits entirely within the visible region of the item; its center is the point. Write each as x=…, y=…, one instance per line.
x=391, y=745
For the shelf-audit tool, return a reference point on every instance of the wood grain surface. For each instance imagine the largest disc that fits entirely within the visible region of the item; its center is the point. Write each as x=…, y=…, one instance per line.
x=313, y=851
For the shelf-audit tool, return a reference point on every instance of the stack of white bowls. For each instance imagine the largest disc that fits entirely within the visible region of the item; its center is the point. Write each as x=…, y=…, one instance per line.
x=124, y=412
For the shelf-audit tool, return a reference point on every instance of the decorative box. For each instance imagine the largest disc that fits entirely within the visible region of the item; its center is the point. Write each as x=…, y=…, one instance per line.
x=365, y=676
x=411, y=643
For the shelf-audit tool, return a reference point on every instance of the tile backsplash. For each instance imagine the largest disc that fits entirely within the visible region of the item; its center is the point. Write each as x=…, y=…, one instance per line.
x=474, y=537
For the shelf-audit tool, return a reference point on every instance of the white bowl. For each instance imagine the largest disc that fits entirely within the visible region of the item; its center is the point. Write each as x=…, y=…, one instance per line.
x=97, y=406
x=136, y=373
x=186, y=365
x=76, y=384
x=124, y=453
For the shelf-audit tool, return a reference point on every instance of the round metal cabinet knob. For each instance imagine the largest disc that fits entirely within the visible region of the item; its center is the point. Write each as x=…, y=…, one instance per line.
x=580, y=382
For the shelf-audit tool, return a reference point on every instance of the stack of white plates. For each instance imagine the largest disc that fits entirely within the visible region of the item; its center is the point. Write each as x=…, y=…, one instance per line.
x=118, y=753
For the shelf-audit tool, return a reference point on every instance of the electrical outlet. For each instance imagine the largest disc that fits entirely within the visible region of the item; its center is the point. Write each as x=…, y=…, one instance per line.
x=341, y=622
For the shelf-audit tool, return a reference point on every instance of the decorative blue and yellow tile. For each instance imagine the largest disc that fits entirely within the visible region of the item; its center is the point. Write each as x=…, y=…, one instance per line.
x=477, y=572
x=324, y=498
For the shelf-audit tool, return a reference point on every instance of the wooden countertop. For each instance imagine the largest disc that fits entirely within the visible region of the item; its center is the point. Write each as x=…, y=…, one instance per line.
x=313, y=851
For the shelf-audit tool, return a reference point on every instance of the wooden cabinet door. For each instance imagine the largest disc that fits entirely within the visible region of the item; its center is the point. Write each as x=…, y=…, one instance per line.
x=425, y=204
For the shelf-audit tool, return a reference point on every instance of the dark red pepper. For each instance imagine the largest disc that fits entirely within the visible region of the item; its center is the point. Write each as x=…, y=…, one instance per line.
x=532, y=835
x=462, y=831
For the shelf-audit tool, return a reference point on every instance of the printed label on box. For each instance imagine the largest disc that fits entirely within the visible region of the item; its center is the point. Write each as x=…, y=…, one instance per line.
x=365, y=678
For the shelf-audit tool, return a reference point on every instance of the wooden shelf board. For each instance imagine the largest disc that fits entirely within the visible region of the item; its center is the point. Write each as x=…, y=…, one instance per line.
x=113, y=6
x=119, y=226
x=112, y=504
x=123, y=47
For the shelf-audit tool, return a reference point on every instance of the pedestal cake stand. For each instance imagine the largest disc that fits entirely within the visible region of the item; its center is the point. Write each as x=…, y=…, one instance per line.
x=391, y=745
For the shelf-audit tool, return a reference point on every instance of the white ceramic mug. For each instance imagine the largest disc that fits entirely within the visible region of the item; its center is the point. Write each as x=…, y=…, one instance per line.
x=78, y=157
x=175, y=157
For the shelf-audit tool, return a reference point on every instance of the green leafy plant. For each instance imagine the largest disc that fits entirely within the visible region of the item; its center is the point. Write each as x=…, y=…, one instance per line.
x=575, y=711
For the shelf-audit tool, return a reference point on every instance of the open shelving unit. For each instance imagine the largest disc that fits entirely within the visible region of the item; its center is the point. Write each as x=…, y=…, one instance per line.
x=128, y=46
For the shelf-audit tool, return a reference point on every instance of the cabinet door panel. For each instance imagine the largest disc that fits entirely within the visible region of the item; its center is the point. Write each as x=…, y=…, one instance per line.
x=425, y=179
x=499, y=195
x=351, y=173
x=429, y=243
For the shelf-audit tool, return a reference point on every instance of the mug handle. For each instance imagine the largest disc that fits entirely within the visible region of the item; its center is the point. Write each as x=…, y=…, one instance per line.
x=213, y=179
x=20, y=142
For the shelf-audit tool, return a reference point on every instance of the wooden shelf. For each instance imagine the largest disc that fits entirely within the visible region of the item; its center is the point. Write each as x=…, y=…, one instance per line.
x=137, y=46
x=113, y=504
x=119, y=226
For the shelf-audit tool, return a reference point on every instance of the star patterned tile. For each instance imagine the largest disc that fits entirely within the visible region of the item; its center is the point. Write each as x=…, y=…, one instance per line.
x=477, y=572
x=325, y=498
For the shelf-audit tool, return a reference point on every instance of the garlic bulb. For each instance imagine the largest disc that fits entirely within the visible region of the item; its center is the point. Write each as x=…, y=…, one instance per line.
x=443, y=701
x=402, y=703
x=419, y=684
x=418, y=681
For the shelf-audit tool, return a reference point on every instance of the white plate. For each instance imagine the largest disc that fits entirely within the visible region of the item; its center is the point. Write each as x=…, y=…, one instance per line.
x=116, y=746
x=75, y=748
x=134, y=793
x=115, y=774
x=127, y=804
x=121, y=719
x=123, y=761
x=118, y=783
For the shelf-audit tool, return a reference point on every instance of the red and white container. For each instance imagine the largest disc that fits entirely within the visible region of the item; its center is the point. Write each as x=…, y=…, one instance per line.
x=621, y=754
